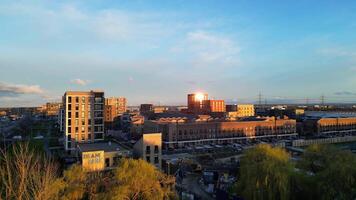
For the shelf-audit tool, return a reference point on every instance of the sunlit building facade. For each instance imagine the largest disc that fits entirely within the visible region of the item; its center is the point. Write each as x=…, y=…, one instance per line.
x=209, y=106
x=177, y=133
x=195, y=102
x=83, y=117
x=114, y=107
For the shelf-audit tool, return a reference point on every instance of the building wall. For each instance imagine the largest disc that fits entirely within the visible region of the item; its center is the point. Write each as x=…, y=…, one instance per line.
x=93, y=161
x=245, y=110
x=146, y=108
x=195, y=131
x=326, y=125
x=195, y=105
x=209, y=106
x=100, y=160
x=114, y=107
x=84, y=117
x=50, y=109
x=149, y=148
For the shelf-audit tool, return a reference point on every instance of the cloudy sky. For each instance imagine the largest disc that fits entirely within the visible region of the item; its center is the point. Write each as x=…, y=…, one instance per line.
x=158, y=51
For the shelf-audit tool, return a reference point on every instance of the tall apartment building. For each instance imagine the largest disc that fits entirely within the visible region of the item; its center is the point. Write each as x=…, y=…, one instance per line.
x=114, y=107
x=195, y=102
x=83, y=117
x=213, y=106
x=146, y=108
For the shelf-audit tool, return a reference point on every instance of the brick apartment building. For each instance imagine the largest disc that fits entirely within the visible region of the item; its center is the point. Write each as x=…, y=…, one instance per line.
x=179, y=132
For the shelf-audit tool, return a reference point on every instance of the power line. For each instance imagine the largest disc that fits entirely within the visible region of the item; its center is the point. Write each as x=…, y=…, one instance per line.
x=322, y=99
x=260, y=98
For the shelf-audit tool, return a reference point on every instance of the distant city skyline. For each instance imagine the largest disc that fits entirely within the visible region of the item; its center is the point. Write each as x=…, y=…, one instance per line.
x=159, y=51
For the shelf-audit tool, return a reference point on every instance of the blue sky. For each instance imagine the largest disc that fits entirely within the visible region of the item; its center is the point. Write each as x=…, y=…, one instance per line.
x=158, y=51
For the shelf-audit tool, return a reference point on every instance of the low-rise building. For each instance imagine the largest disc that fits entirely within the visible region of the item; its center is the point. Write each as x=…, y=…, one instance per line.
x=101, y=156
x=239, y=110
x=330, y=126
x=149, y=148
x=178, y=133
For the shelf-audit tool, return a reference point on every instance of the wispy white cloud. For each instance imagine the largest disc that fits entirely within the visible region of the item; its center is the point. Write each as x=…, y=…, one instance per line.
x=345, y=93
x=9, y=89
x=208, y=49
x=79, y=81
x=72, y=21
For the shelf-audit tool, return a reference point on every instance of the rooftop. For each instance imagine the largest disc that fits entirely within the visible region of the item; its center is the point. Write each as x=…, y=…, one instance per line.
x=102, y=146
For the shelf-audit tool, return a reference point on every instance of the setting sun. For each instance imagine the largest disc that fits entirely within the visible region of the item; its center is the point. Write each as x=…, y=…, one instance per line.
x=199, y=97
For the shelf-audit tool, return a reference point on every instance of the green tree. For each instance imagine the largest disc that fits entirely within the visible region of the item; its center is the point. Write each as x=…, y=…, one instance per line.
x=137, y=179
x=74, y=179
x=265, y=173
x=330, y=172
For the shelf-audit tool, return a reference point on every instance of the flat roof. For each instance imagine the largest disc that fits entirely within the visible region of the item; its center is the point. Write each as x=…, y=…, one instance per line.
x=101, y=146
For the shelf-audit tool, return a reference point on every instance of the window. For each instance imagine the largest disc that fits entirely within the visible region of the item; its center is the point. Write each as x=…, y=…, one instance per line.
x=76, y=122
x=156, y=149
x=76, y=99
x=156, y=160
x=83, y=107
x=83, y=129
x=98, y=121
x=76, y=107
x=89, y=136
x=98, y=128
x=69, y=99
x=69, y=106
x=107, y=162
x=98, y=99
x=83, y=114
x=69, y=122
x=98, y=136
x=69, y=114
x=76, y=129
x=148, y=149
x=98, y=107
x=83, y=137
x=83, y=99
x=69, y=130
x=148, y=159
x=76, y=114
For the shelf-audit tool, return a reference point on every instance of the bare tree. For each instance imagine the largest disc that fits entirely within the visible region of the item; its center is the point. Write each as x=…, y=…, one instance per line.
x=25, y=174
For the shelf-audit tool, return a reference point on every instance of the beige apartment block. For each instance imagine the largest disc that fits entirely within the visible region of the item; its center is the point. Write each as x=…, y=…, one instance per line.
x=83, y=117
